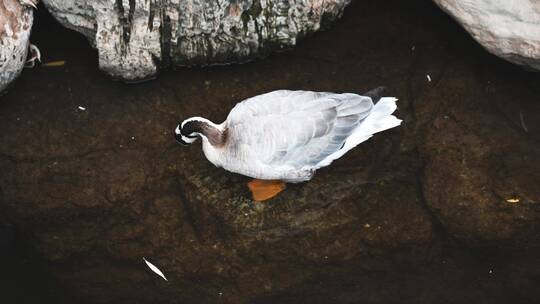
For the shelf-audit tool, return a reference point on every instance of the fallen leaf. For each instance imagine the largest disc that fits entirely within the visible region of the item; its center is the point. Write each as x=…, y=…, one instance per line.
x=58, y=63
x=154, y=269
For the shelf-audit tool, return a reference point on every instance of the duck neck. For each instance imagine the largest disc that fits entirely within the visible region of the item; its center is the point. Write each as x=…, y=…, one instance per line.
x=209, y=131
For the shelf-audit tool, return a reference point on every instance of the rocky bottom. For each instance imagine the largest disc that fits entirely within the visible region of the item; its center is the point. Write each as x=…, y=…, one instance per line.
x=445, y=208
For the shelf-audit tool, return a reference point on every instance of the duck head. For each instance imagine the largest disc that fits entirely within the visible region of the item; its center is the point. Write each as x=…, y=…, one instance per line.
x=192, y=128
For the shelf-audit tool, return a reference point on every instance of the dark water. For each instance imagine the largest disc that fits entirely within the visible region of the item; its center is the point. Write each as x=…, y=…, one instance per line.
x=396, y=44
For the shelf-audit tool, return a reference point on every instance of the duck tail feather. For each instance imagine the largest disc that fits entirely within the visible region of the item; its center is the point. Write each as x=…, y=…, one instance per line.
x=379, y=119
x=376, y=94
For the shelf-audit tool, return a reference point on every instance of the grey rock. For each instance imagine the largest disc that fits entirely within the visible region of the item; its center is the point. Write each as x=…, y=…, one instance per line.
x=509, y=29
x=135, y=38
x=15, y=26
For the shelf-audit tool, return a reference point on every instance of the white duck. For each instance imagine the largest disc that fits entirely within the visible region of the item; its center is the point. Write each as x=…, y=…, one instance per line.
x=285, y=136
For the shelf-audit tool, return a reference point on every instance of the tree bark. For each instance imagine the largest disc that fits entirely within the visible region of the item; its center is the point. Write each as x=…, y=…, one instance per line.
x=135, y=38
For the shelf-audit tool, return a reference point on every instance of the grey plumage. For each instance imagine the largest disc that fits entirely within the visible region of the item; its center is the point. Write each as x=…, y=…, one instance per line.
x=288, y=135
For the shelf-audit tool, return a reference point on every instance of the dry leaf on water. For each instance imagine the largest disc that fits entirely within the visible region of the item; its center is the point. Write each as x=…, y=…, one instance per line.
x=58, y=63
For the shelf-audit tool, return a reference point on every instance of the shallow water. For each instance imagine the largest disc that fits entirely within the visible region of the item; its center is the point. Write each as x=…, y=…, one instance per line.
x=105, y=178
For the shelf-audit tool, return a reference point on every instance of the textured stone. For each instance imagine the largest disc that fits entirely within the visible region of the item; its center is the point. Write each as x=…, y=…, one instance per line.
x=15, y=26
x=137, y=37
x=509, y=29
x=481, y=185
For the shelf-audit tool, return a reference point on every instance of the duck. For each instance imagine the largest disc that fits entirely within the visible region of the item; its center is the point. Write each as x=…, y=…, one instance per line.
x=285, y=136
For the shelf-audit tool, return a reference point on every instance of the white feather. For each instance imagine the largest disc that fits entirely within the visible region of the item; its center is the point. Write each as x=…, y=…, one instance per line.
x=287, y=135
x=379, y=119
x=154, y=269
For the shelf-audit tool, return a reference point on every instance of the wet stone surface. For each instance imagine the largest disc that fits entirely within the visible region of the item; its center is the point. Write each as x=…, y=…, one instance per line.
x=423, y=213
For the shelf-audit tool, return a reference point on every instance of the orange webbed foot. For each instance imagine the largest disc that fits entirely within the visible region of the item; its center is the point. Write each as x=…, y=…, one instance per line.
x=263, y=190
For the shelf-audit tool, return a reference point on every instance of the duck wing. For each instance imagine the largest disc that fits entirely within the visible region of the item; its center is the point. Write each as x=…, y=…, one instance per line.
x=296, y=128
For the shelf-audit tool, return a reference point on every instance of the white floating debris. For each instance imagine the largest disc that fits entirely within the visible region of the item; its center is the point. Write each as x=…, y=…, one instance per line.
x=155, y=269
x=428, y=78
x=413, y=48
x=366, y=225
x=513, y=200
x=490, y=271
x=82, y=108
x=132, y=137
x=220, y=293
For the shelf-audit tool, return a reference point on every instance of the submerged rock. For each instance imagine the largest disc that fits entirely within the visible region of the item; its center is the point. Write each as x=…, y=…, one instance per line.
x=15, y=26
x=509, y=29
x=99, y=202
x=136, y=38
x=480, y=179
